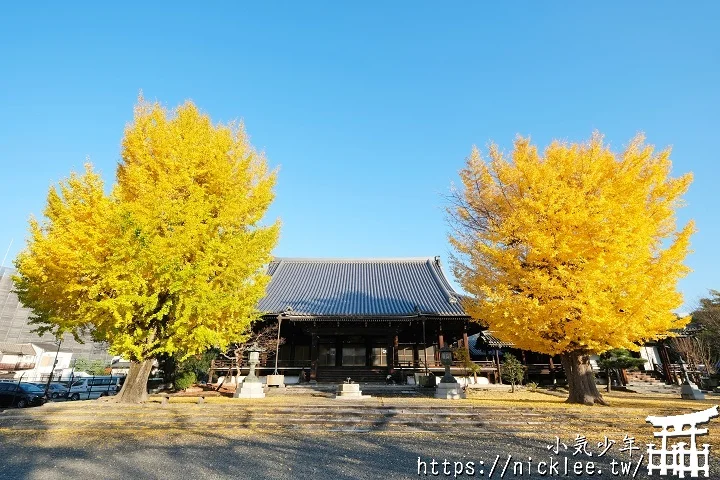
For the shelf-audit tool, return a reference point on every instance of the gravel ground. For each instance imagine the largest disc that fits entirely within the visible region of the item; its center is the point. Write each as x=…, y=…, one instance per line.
x=287, y=455
x=98, y=440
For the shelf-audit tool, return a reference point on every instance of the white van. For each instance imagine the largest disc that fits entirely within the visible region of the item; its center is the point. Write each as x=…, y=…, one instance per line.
x=94, y=387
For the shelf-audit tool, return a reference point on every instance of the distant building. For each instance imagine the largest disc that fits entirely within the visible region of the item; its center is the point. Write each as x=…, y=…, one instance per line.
x=119, y=366
x=16, y=329
x=33, y=361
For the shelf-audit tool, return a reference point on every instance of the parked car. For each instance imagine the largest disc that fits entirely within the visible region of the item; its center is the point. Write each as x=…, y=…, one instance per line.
x=56, y=390
x=21, y=395
x=93, y=387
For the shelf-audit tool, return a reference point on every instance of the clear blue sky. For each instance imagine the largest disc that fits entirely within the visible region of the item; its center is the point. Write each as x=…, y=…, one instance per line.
x=369, y=109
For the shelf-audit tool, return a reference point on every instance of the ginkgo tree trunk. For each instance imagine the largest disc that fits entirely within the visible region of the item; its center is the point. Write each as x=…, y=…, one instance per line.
x=572, y=251
x=172, y=260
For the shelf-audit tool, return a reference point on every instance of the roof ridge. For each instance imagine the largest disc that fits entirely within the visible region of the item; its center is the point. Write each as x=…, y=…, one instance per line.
x=439, y=277
x=351, y=260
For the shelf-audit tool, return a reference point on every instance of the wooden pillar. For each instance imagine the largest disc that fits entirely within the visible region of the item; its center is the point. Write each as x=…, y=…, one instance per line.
x=497, y=360
x=466, y=344
x=441, y=344
x=313, y=356
x=277, y=346
x=368, y=351
x=551, y=364
x=338, y=351
x=391, y=353
x=424, y=347
x=665, y=359
x=396, y=353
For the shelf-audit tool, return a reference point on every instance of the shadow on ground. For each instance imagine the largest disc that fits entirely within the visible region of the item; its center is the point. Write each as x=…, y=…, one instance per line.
x=182, y=450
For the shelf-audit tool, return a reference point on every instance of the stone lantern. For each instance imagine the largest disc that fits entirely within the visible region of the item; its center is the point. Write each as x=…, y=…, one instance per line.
x=251, y=387
x=448, y=388
x=446, y=358
x=253, y=360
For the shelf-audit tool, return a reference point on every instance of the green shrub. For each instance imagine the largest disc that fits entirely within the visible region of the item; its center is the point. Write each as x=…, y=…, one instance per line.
x=615, y=360
x=532, y=386
x=93, y=367
x=199, y=364
x=185, y=380
x=463, y=356
x=512, y=370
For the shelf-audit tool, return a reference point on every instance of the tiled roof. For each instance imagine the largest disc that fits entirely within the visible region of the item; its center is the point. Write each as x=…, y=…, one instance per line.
x=15, y=326
x=487, y=338
x=473, y=346
x=360, y=288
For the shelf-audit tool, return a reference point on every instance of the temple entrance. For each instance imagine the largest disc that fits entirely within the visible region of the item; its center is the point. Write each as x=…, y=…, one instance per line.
x=327, y=355
x=351, y=351
x=360, y=357
x=354, y=355
x=330, y=352
x=378, y=357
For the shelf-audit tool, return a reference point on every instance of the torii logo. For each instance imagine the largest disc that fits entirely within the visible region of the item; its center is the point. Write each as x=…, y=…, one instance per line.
x=678, y=459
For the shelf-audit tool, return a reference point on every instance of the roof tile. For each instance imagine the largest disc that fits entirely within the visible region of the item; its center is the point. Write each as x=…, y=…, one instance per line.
x=360, y=287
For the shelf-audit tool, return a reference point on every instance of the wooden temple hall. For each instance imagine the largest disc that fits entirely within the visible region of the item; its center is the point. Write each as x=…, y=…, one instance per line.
x=361, y=318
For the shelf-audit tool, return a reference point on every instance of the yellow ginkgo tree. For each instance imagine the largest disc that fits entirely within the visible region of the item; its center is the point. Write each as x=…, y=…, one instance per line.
x=171, y=261
x=572, y=251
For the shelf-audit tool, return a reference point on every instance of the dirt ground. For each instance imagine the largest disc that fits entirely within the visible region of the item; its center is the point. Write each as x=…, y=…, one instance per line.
x=288, y=436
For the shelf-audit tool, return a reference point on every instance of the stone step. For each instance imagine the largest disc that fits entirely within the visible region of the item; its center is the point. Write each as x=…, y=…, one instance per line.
x=646, y=389
x=309, y=428
x=268, y=419
x=357, y=374
x=201, y=415
x=239, y=408
x=332, y=387
x=644, y=376
x=269, y=422
x=649, y=383
x=205, y=414
x=179, y=408
x=201, y=412
x=324, y=417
